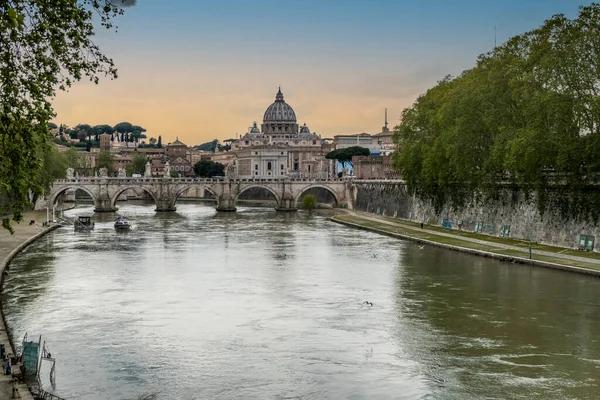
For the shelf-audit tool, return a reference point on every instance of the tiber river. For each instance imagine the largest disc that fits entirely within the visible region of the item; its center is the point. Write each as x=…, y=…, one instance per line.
x=265, y=305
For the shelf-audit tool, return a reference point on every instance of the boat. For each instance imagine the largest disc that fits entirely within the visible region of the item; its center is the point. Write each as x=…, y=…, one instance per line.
x=84, y=223
x=122, y=224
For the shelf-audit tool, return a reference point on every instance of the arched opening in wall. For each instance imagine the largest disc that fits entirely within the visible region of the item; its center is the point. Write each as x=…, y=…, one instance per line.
x=324, y=197
x=69, y=197
x=196, y=194
x=83, y=197
x=257, y=197
x=133, y=196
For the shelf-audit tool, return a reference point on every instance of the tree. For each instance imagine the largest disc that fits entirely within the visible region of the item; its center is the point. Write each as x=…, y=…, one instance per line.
x=138, y=133
x=43, y=47
x=52, y=125
x=527, y=114
x=106, y=160
x=54, y=167
x=159, y=144
x=208, y=169
x=73, y=159
x=152, y=141
x=125, y=129
x=100, y=129
x=345, y=155
x=309, y=202
x=211, y=146
x=174, y=174
x=138, y=163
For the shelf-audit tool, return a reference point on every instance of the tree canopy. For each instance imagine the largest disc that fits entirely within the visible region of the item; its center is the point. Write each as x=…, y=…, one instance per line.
x=138, y=163
x=345, y=154
x=211, y=146
x=106, y=160
x=528, y=114
x=43, y=47
x=208, y=169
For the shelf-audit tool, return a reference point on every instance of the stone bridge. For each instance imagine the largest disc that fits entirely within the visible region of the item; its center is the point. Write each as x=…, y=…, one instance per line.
x=165, y=191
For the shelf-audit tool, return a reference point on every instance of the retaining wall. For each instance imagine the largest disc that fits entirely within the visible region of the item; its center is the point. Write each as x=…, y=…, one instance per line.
x=512, y=215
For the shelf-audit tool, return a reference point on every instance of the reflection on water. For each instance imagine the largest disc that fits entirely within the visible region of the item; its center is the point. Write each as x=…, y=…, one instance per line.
x=259, y=304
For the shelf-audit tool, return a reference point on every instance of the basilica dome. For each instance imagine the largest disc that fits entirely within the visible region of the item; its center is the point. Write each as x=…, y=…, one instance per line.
x=279, y=111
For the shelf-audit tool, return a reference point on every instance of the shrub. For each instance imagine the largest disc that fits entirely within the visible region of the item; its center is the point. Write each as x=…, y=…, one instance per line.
x=309, y=202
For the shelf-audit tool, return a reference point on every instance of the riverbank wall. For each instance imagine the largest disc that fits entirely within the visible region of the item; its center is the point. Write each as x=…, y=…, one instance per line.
x=512, y=215
x=488, y=254
x=10, y=247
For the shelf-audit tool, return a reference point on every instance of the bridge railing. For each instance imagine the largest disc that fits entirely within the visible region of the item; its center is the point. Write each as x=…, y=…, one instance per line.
x=97, y=180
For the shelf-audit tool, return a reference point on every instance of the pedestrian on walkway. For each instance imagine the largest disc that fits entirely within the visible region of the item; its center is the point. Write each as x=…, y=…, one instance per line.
x=530, y=250
x=421, y=224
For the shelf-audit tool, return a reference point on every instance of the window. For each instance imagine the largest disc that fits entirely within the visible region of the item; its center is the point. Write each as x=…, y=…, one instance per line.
x=256, y=153
x=314, y=142
x=282, y=167
x=256, y=166
x=246, y=142
x=256, y=173
x=269, y=166
x=295, y=166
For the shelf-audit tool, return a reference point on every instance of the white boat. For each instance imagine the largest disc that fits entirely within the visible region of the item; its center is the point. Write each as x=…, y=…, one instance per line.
x=122, y=224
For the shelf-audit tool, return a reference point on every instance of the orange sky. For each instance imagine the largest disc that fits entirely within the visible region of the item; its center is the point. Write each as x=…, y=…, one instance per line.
x=204, y=70
x=198, y=108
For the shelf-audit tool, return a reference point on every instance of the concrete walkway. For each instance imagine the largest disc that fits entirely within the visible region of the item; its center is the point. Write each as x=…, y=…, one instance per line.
x=480, y=241
x=11, y=245
x=474, y=243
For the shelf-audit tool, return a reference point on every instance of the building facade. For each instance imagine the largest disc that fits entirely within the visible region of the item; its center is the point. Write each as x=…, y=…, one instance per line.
x=281, y=148
x=180, y=158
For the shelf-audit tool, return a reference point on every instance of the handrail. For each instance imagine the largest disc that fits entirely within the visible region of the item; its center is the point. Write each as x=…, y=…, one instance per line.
x=216, y=180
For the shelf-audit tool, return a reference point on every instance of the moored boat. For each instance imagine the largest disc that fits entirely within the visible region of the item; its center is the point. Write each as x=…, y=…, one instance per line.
x=84, y=223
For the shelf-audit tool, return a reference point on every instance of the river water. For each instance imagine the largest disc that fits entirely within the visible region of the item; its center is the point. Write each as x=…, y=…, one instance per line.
x=264, y=305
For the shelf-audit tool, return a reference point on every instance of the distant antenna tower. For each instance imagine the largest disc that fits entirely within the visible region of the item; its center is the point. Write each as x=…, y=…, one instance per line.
x=385, y=127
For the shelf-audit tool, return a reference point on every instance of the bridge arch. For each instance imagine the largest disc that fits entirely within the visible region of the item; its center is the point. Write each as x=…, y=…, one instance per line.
x=55, y=194
x=324, y=187
x=115, y=196
x=188, y=187
x=254, y=186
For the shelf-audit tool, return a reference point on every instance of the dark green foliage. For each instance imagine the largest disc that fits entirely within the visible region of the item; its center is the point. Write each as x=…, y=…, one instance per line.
x=309, y=202
x=44, y=46
x=527, y=115
x=106, y=160
x=345, y=155
x=138, y=163
x=211, y=146
x=208, y=169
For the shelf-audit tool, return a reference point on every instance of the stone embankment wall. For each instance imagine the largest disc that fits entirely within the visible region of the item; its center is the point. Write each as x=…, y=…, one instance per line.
x=512, y=214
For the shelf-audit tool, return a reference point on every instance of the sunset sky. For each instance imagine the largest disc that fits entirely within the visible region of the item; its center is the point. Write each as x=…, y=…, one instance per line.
x=201, y=70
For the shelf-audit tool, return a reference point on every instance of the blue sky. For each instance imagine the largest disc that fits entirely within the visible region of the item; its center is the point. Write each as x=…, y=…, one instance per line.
x=205, y=69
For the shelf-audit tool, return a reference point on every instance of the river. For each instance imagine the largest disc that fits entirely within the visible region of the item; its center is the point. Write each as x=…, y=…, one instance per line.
x=264, y=305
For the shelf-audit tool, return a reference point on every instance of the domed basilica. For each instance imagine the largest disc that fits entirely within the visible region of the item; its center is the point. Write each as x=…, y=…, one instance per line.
x=281, y=148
